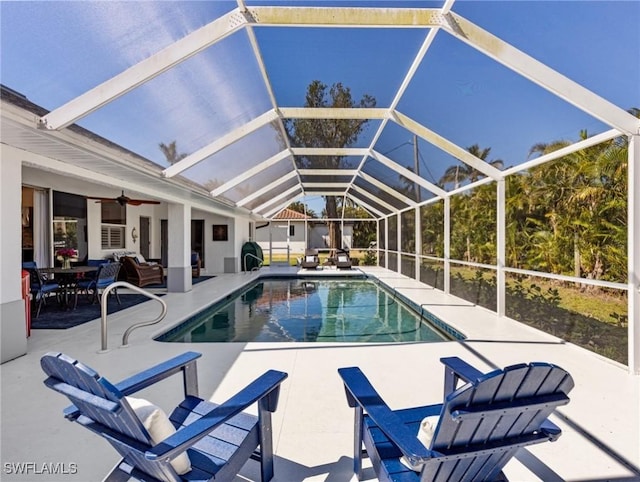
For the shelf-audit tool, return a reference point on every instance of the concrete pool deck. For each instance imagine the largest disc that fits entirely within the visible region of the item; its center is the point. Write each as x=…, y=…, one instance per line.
x=313, y=424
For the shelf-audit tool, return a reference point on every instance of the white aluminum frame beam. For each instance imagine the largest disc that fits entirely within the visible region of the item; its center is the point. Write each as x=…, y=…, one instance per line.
x=387, y=189
x=273, y=211
x=539, y=73
x=250, y=172
x=446, y=145
x=330, y=151
x=373, y=211
x=333, y=113
x=577, y=146
x=382, y=159
x=468, y=187
x=221, y=143
x=327, y=172
x=266, y=189
x=143, y=71
x=280, y=207
x=283, y=195
x=373, y=197
x=326, y=192
x=330, y=185
x=633, y=255
x=347, y=17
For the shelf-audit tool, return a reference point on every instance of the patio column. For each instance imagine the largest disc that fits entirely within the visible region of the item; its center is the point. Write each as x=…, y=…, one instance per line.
x=13, y=332
x=500, y=248
x=179, y=262
x=633, y=254
x=447, y=244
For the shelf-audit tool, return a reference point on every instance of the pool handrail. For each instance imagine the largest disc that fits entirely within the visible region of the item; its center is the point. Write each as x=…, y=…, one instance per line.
x=125, y=337
x=244, y=264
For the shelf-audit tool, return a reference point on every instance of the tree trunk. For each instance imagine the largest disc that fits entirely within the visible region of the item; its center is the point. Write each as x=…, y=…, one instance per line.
x=335, y=236
x=577, y=268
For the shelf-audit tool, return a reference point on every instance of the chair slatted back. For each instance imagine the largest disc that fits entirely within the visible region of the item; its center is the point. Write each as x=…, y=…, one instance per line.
x=104, y=410
x=483, y=423
x=107, y=274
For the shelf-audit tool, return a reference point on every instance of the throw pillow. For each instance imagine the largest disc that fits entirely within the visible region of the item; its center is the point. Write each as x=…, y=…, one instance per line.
x=159, y=426
x=425, y=435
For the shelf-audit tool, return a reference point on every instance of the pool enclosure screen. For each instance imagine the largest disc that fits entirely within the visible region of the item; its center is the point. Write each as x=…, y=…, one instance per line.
x=445, y=103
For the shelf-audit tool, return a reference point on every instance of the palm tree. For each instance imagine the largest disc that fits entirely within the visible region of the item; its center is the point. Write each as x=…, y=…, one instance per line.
x=170, y=152
x=463, y=172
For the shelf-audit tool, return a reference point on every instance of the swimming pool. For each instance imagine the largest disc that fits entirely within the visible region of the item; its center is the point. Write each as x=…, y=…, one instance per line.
x=309, y=310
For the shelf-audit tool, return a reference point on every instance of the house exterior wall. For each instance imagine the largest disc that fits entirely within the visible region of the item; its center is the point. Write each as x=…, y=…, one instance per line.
x=13, y=331
x=319, y=236
x=217, y=251
x=278, y=231
x=56, y=182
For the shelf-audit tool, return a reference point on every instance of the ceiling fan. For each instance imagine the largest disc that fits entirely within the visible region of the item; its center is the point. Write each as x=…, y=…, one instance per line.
x=123, y=200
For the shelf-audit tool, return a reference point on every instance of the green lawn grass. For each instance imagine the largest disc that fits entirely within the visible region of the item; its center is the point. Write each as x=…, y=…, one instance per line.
x=589, y=301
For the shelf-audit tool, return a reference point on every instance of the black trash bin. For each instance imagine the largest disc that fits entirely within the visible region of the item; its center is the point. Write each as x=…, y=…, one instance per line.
x=250, y=251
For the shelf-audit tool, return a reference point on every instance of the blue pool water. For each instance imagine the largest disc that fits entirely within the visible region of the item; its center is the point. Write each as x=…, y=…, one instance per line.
x=311, y=310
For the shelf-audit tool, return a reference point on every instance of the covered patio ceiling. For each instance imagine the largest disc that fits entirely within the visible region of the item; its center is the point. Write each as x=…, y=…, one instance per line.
x=223, y=79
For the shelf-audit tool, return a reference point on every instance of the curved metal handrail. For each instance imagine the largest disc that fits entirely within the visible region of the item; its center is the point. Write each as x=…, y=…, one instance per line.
x=244, y=264
x=125, y=337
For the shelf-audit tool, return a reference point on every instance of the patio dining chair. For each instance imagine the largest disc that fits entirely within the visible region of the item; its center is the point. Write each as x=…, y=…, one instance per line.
x=196, y=264
x=41, y=287
x=471, y=435
x=199, y=441
x=107, y=274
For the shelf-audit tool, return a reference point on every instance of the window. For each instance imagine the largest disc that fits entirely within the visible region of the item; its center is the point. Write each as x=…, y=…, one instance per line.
x=292, y=230
x=114, y=220
x=70, y=224
x=220, y=232
x=65, y=234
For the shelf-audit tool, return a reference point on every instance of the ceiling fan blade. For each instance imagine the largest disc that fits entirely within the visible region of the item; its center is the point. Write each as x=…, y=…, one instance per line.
x=122, y=200
x=138, y=202
x=103, y=199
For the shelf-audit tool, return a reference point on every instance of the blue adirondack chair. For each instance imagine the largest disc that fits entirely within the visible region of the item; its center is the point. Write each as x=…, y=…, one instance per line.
x=479, y=426
x=218, y=439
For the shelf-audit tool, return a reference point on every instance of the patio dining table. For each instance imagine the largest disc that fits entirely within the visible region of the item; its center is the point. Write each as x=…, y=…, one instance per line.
x=67, y=278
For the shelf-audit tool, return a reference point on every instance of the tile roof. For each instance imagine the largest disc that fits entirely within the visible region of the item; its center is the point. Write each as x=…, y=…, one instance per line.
x=291, y=214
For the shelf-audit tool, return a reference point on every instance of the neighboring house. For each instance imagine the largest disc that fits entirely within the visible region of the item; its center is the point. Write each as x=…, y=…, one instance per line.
x=298, y=232
x=287, y=230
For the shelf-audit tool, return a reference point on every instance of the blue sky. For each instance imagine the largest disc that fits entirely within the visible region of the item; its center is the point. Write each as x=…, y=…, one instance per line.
x=54, y=51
